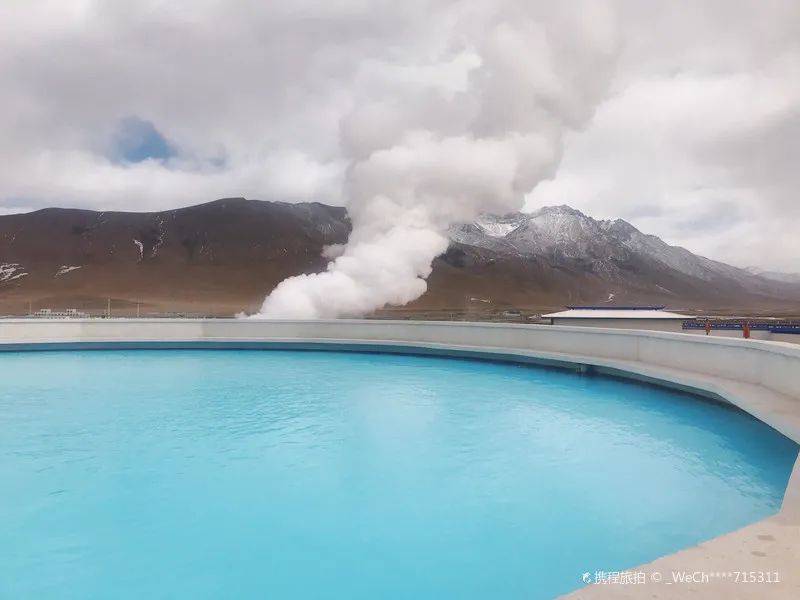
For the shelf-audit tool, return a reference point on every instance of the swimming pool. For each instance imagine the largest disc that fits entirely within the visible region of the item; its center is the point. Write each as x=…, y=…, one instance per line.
x=346, y=475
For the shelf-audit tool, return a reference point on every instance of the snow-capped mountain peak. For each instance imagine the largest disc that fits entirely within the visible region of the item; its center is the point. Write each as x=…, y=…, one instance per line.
x=607, y=247
x=499, y=226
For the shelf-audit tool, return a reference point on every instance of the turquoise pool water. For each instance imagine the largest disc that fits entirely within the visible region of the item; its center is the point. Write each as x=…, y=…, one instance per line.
x=253, y=474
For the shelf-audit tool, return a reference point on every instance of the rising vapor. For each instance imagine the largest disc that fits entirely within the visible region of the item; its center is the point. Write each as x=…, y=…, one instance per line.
x=434, y=140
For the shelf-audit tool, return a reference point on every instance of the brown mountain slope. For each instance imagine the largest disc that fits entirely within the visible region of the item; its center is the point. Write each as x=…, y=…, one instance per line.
x=218, y=257
x=225, y=256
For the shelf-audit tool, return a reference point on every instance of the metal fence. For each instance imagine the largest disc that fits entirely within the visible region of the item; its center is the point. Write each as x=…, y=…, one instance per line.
x=738, y=325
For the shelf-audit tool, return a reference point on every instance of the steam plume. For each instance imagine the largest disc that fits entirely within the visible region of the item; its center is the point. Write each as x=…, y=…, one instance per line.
x=438, y=142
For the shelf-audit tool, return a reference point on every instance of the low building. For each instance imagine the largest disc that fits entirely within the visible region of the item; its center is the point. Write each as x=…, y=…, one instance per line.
x=619, y=317
x=69, y=313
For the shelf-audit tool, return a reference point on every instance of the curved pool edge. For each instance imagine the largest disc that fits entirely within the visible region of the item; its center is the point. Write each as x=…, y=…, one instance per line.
x=761, y=378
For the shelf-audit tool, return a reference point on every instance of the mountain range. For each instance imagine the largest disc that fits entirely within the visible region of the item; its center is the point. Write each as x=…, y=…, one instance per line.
x=225, y=256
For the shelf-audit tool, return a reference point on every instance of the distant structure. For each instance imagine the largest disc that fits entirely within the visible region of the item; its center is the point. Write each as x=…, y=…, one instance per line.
x=760, y=328
x=653, y=318
x=49, y=313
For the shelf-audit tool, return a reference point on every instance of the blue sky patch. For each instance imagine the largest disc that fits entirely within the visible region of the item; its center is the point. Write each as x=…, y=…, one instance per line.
x=136, y=140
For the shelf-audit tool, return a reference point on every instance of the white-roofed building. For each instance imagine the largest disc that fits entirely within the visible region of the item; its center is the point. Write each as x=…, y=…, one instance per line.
x=619, y=317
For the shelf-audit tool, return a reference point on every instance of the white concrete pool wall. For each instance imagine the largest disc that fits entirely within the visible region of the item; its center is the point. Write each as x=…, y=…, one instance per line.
x=775, y=366
x=761, y=377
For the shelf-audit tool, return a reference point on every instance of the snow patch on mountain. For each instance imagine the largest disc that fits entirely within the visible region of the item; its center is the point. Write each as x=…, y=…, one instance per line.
x=499, y=227
x=11, y=271
x=64, y=269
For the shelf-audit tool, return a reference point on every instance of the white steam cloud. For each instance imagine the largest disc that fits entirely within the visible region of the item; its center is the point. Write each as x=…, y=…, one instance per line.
x=472, y=127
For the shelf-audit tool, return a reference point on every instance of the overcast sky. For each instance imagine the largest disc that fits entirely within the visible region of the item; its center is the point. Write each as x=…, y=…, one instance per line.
x=693, y=132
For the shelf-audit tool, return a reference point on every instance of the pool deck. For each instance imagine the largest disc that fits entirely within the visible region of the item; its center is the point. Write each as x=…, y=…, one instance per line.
x=762, y=378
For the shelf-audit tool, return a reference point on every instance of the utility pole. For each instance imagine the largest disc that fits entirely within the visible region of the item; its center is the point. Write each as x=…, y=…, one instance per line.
x=108, y=311
x=137, y=310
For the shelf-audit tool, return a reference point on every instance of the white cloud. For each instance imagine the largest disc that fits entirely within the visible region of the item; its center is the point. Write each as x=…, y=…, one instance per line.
x=453, y=148
x=697, y=141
